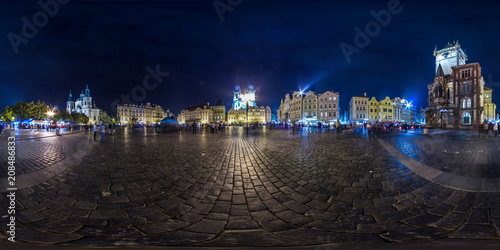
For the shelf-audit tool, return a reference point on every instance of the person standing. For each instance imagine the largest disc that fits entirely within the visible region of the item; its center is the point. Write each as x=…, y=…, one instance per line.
x=94, y=129
x=114, y=130
x=109, y=129
x=221, y=127
x=102, y=130
x=194, y=128
x=495, y=129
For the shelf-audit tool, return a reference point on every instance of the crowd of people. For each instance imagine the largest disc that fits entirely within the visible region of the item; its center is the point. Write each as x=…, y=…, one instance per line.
x=489, y=129
x=101, y=129
x=214, y=127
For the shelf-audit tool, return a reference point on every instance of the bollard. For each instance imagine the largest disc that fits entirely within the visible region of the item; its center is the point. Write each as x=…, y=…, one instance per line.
x=425, y=131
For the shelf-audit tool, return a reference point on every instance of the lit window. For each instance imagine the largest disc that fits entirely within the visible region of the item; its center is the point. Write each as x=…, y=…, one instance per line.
x=466, y=120
x=469, y=103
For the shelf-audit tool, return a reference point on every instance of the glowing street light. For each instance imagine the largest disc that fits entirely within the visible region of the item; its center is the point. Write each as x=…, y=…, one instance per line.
x=50, y=113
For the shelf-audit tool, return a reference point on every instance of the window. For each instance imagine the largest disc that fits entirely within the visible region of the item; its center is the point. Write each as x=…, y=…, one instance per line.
x=357, y=116
x=371, y=110
x=468, y=103
x=464, y=103
x=466, y=118
x=320, y=106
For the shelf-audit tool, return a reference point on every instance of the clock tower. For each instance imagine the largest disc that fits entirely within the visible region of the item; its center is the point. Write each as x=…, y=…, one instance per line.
x=449, y=56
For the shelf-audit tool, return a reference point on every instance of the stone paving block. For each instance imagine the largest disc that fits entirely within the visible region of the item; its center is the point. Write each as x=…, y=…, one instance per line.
x=162, y=227
x=421, y=233
x=207, y=226
x=450, y=222
x=475, y=232
x=422, y=220
x=479, y=216
x=241, y=222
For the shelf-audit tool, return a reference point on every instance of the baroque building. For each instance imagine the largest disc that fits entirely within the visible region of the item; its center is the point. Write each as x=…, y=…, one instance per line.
x=133, y=114
x=359, y=109
x=309, y=107
x=84, y=105
x=489, y=106
x=328, y=107
x=244, y=108
x=199, y=114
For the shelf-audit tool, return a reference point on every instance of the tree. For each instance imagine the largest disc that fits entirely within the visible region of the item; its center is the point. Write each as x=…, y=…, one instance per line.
x=79, y=118
x=63, y=115
x=23, y=110
x=7, y=115
x=41, y=110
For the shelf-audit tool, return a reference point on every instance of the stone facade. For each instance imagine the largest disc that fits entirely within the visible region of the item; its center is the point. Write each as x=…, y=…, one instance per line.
x=328, y=107
x=309, y=107
x=359, y=109
x=489, y=106
x=84, y=105
x=200, y=114
x=457, y=99
x=148, y=114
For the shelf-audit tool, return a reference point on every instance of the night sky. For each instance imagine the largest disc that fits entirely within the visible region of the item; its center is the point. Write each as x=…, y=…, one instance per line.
x=285, y=45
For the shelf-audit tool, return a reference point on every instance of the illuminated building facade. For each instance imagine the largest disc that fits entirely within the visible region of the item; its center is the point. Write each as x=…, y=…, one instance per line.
x=328, y=107
x=469, y=95
x=359, y=109
x=489, y=106
x=219, y=111
x=309, y=107
x=84, y=105
x=457, y=96
x=199, y=114
x=373, y=112
x=238, y=112
x=148, y=114
x=243, y=96
x=386, y=110
x=403, y=110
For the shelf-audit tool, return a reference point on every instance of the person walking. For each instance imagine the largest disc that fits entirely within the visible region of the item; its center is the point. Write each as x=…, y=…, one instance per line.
x=212, y=127
x=221, y=127
x=94, y=128
x=114, y=130
x=194, y=128
x=102, y=130
x=495, y=129
x=109, y=129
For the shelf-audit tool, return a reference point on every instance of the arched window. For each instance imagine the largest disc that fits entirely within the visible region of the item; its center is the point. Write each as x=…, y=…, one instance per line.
x=466, y=118
x=468, y=103
x=464, y=103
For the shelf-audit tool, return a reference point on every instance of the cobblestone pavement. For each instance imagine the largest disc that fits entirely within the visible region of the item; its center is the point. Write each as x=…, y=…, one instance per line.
x=267, y=189
x=36, y=154
x=479, y=158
